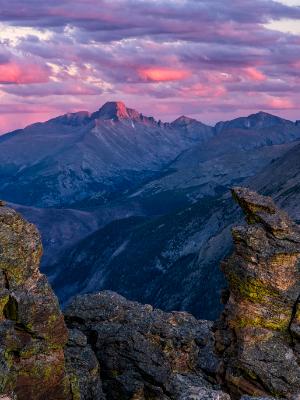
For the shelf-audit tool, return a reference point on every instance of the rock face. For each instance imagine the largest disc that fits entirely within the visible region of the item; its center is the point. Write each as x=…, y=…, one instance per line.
x=83, y=368
x=32, y=328
x=144, y=353
x=259, y=331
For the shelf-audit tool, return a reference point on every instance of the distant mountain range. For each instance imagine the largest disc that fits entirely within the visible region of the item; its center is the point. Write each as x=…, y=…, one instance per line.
x=128, y=203
x=79, y=156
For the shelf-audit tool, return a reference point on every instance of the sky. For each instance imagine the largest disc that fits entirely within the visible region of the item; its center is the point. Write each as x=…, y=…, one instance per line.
x=209, y=59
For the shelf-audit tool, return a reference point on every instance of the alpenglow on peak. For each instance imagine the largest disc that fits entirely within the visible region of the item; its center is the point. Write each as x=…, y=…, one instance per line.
x=113, y=110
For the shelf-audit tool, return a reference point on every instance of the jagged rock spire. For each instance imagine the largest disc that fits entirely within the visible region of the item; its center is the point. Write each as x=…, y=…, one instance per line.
x=258, y=333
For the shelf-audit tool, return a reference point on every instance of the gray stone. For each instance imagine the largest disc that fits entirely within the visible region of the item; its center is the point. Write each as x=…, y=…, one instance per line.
x=145, y=353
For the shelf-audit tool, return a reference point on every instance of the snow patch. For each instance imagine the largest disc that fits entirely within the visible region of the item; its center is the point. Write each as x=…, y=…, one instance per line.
x=136, y=193
x=120, y=249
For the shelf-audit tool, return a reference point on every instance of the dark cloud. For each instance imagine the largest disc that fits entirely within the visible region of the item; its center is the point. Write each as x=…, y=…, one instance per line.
x=123, y=15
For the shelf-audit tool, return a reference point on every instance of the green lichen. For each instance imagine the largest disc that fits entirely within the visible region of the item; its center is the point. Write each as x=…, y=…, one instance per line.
x=3, y=302
x=274, y=324
x=253, y=289
x=15, y=273
x=41, y=370
x=29, y=352
x=114, y=373
x=75, y=388
x=251, y=374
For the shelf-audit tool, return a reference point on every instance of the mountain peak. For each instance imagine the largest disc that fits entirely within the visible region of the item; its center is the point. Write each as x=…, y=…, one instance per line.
x=117, y=111
x=265, y=119
x=113, y=110
x=183, y=120
x=264, y=115
x=259, y=120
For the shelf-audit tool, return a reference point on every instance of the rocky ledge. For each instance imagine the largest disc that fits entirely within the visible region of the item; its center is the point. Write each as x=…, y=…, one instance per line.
x=109, y=348
x=143, y=353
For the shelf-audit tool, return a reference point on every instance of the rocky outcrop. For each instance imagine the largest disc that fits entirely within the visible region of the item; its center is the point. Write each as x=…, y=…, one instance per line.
x=32, y=328
x=144, y=353
x=116, y=349
x=259, y=331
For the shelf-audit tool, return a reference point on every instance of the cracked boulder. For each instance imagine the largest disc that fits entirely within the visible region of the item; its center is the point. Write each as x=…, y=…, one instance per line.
x=145, y=353
x=258, y=334
x=32, y=328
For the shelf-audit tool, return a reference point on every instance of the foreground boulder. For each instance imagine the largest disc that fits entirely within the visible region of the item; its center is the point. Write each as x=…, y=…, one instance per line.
x=259, y=331
x=32, y=328
x=144, y=353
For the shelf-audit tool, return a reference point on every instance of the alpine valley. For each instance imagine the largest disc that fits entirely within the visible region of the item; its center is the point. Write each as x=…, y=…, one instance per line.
x=141, y=207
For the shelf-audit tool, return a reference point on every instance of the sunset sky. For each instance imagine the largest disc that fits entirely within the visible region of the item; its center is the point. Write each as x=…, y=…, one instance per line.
x=209, y=59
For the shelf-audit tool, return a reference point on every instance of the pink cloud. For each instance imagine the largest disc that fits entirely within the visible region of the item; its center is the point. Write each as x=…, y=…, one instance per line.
x=276, y=103
x=254, y=74
x=159, y=74
x=203, y=90
x=296, y=64
x=16, y=73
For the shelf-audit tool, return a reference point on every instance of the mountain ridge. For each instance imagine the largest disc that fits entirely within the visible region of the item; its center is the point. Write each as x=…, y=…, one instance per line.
x=76, y=156
x=119, y=110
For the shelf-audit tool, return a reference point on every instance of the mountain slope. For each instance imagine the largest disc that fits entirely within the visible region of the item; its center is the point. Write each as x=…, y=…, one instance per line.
x=238, y=150
x=82, y=155
x=281, y=179
x=141, y=207
x=153, y=260
x=172, y=261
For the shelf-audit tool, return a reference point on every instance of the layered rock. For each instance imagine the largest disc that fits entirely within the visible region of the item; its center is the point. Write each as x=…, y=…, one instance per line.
x=32, y=328
x=145, y=353
x=259, y=331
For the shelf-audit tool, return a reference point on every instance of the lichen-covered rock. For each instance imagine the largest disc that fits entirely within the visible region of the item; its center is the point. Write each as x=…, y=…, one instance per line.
x=258, y=333
x=32, y=328
x=146, y=353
